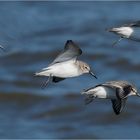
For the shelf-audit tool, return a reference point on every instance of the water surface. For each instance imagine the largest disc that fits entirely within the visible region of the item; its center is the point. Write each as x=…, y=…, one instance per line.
x=33, y=33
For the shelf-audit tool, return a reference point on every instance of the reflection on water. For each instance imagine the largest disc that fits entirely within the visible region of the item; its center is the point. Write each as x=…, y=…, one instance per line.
x=33, y=33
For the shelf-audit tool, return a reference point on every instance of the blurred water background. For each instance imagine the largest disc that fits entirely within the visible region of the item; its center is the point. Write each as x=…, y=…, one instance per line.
x=33, y=33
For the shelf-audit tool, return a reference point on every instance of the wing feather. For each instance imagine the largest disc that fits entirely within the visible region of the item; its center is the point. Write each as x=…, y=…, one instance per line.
x=133, y=24
x=118, y=105
x=71, y=51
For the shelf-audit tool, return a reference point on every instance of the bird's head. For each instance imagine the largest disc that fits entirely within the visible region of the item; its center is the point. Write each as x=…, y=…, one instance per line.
x=132, y=91
x=86, y=69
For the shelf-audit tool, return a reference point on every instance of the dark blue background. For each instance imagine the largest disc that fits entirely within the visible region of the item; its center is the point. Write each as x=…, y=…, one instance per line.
x=33, y=33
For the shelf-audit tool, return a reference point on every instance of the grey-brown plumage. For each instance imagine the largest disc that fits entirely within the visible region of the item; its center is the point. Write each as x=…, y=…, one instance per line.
x=133, y=24
x=71, y=50
x=117, y=91
x=66, y=65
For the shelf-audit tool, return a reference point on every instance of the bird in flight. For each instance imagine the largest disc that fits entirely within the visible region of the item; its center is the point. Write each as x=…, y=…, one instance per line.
x=66, y=65
x=116, y=91
x=129, y=31
x=1, y=47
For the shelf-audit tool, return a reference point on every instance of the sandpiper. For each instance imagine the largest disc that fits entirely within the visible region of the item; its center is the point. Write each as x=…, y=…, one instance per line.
x=1, y=47
x=130, y=31
x=66, y=65
x=117, y=91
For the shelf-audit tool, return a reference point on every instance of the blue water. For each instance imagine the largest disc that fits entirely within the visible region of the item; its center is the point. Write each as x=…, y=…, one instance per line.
x=33, y=33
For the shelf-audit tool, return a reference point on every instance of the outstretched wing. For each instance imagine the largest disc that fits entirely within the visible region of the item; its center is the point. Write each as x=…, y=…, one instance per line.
x=133, y=24
x=108, y=85
x=71, y=50
x=118, y=105
x=57, y=79
x=116, y=84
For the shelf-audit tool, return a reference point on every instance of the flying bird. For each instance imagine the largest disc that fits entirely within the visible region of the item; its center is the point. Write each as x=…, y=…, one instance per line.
x=129, y=31
x=1, y=47
x=116, y=91
x=66, y=65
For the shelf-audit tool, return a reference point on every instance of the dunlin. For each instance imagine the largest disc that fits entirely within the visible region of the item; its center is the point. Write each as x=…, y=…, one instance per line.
x=117, y=91
x=130, y=31
x=66, y=65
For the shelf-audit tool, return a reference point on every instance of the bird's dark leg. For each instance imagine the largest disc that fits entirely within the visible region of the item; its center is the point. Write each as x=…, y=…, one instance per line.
x=47, y=82
x=117, y=41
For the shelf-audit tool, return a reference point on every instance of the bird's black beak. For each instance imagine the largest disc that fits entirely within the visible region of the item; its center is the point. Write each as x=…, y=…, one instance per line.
x=91, y=73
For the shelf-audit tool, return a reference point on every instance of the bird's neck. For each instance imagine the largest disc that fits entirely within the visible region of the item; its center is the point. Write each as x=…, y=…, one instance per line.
x=80, y=65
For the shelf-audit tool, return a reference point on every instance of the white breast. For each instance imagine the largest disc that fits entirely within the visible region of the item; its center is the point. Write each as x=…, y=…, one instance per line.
x=124, y=31
x=103, y=92
x=64, y=69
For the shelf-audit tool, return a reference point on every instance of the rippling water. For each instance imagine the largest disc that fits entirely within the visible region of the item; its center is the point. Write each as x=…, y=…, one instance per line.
x=33, y=33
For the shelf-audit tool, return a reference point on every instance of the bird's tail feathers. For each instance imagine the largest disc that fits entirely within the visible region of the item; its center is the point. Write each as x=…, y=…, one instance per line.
x=83, y=92
x=42, y=73
x=111, y=30
x=89, y=99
